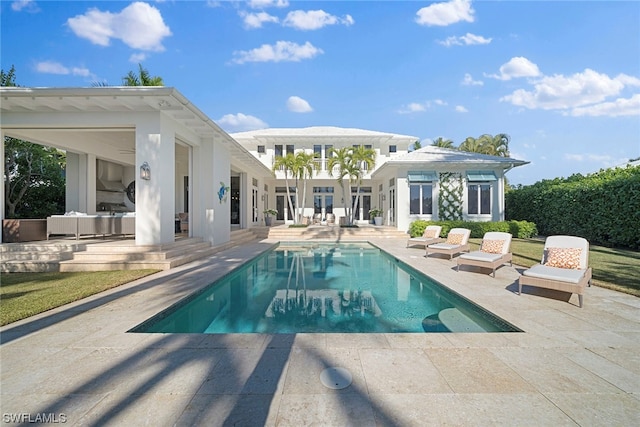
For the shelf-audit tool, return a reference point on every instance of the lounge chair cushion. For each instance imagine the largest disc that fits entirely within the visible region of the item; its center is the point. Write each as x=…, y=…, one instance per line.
x=568, y=275
x=492, y=246
x=563, y=257
x=482, y=256
x=444, y=245
x=454, y=239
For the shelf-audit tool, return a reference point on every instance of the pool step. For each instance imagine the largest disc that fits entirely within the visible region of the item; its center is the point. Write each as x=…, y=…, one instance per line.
x=334, y=232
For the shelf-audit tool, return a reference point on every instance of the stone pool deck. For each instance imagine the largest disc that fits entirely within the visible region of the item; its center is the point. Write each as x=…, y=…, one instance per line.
x=570, y=366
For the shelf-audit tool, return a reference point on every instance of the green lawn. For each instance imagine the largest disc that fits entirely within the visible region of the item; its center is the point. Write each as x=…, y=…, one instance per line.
x=616, y=269
x=25, y=294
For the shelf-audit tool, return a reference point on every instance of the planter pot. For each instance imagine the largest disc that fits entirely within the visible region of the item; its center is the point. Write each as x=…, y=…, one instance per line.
x=377, y=220
x=267, y=221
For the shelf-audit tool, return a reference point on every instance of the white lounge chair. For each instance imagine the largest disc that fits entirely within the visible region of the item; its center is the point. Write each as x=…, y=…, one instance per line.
x=564, y=267
x=457, y=242
x=494, y=252
x=431, y=235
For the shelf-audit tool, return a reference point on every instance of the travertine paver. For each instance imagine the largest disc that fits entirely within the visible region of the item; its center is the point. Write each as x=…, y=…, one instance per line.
x=570, y=366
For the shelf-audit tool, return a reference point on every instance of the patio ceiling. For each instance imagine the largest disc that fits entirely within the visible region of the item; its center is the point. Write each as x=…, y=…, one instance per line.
x=35, y=118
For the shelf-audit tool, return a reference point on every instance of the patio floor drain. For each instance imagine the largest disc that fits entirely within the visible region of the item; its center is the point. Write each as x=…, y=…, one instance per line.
x=336, y=378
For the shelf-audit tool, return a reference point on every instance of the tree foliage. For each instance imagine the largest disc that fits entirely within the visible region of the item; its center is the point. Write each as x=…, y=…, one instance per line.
x=143, y=78
x=34, y=182
x=603, y=207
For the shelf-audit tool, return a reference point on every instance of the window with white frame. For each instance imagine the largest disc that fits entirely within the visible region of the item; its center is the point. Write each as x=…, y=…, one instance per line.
x=421, y=192
x=479, y=189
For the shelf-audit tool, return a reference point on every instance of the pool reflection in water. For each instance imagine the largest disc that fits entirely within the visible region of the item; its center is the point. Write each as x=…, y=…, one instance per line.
x=324, y=287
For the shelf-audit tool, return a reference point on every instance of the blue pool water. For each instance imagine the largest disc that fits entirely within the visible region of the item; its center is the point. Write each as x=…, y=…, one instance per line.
x=324, y=287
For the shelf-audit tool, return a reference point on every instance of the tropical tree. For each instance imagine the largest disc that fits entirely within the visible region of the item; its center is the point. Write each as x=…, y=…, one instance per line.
x=497, y=145
x=417, y=145
x=9, y=78
x=470, y=144
x=340, y=162
x=288, y=164
x=143, y=78
x=442, y=143
x=304, y=166
x=362, y=160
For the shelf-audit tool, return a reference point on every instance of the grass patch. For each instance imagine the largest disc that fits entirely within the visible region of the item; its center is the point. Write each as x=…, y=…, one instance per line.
x=27, y=294
x=616, y=269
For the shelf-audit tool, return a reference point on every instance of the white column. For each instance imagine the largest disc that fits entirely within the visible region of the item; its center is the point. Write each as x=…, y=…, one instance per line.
x=2, y=189
x=155, y=145
x=221, y=162
x=88, y=185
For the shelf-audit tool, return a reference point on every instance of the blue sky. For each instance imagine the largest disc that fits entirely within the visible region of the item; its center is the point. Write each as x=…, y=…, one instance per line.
x=562, y=78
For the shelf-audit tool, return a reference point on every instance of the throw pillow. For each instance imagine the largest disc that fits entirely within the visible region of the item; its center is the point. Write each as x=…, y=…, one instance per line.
x=492, y=246
x=563, y=257
x=454, y=238
x=430, y=234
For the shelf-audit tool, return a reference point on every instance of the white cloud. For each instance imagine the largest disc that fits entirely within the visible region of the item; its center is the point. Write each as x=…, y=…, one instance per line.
x=281, y=51
x=468, y=81
x=619, y=107
x=263, y=4
x=443, y=14
x=589, y=88
x=296, y=104
x=137, y=58
x=603, y=160
x=414, y=107
x=440, y=102
x=517, y=67
x=255, y=20
x=466, y=40
x=26, y=5
x=240, y=123
x=139, y=26
x=461, y=109
x=53, y=67
x=314, y=19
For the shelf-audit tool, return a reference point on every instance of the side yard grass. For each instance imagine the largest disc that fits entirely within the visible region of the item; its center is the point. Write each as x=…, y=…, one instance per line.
x=616, y=269
x=26, y=294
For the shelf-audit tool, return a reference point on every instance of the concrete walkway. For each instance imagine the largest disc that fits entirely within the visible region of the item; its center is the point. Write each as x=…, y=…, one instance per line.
x=571, y=366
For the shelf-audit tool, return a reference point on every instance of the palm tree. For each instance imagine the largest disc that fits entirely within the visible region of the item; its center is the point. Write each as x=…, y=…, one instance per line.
x=304, y=167
x=341, y=159
x=142, y=79
x=417, y=145
x=470, y=144
x=442, y=143
x=288, y=164
x=362, y=160
x=500, y=144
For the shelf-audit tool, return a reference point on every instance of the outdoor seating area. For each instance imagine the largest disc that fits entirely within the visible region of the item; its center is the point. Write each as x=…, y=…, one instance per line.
x=78, y=224
x=430, y=236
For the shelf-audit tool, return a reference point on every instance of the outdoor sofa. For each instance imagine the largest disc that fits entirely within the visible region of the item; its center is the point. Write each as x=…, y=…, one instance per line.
x=80, y=224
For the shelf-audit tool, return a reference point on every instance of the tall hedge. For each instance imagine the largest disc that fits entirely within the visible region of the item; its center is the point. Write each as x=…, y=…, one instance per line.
x=603, y=207
x=520, y=229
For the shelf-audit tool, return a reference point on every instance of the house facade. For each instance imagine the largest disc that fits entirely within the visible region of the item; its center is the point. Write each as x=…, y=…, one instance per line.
x=151, y=153
x=430, y=183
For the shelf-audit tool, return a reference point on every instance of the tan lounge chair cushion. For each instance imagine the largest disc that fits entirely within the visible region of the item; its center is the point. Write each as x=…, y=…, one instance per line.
x=568, y=275
x=454, y=239
x=482, y=256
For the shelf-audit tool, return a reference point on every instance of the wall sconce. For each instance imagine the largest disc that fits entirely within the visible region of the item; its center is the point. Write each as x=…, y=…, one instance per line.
x=262, y=197
x=145, y=171
x=384, y=197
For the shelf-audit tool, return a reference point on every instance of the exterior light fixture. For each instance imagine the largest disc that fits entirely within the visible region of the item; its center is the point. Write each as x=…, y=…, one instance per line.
x=145, y=171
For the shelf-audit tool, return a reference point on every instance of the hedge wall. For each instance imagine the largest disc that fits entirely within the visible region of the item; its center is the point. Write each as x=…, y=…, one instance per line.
x=603, y=207
x=520, y=229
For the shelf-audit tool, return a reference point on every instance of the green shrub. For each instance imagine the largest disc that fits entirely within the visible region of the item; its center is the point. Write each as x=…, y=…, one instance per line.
x=603, y=207
x=519, y=229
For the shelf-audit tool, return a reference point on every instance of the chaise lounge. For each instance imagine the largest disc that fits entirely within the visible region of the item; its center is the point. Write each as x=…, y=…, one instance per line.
x=457, y=242
x=494, y=252
x=564, y=267
x=431, y=235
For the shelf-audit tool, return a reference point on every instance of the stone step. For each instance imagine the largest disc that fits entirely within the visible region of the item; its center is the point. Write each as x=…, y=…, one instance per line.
x=30, y=266
x=132, y=253
x=43, y=246
x=119, y=246
x=36, y=256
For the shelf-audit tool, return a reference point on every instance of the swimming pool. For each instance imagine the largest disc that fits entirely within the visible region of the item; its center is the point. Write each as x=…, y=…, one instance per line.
x=324, y=287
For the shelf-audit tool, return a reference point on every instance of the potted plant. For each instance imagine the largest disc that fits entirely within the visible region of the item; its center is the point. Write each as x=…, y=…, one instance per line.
x=377, y=216
x=268, y=213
